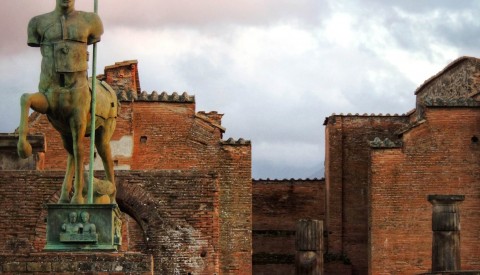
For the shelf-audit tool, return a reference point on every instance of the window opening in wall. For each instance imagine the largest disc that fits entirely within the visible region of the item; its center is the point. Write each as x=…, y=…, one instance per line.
x=143, y=139
x=115, y=162
x=475, y=139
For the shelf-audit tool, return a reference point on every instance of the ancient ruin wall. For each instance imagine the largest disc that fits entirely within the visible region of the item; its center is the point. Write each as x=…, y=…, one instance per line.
x=163, y=131
x=346, y=175
x=175, y=211
x=277, y=206
x=439, y=156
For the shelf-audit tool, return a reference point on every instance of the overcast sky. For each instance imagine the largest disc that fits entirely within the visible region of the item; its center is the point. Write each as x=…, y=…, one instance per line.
x=275, y=68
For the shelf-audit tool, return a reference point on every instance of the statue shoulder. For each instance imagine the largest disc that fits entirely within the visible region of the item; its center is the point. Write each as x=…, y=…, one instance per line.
x=43, y=18
x=34, y=28
x=95, y=26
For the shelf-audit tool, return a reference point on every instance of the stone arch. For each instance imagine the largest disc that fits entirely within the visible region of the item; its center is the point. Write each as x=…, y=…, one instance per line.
x=174, y=243
x=135, y=202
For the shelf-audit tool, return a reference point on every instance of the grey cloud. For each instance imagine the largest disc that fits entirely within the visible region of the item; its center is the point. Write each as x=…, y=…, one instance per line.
x=420, y=7
x=279, y=102
x=154, y=14
x=415, y=24
x=264, y=169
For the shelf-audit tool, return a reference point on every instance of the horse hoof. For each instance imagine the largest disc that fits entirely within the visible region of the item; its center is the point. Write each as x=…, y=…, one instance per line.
x=63, y=200
x=103, y=199
x=77, y=200
x=24, y=149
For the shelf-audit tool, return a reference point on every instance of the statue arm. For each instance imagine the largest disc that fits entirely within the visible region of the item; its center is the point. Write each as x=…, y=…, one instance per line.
x=34, y=38
x=96, y=29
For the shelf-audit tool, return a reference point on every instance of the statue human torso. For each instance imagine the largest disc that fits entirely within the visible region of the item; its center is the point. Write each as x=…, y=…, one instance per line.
x=63, y=41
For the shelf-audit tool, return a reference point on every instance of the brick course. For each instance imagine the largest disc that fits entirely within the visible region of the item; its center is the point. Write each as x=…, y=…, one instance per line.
x=380, y=169
x=174, y=210
x=437, y=157
x=346, y=176
x=277, y=206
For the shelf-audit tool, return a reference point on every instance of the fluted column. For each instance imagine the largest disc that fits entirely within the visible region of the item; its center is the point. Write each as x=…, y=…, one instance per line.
x=446, y=232
x=309, y=245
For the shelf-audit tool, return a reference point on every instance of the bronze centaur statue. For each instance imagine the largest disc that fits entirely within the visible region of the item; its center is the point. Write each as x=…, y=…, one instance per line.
x=64, y=94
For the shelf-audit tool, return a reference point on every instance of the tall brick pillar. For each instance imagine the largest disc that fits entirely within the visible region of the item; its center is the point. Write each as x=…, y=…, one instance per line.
x=309, y=244
x=446, y=232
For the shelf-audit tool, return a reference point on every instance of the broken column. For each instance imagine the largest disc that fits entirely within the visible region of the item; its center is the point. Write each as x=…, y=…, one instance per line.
x=446, y=232
x=309, y=245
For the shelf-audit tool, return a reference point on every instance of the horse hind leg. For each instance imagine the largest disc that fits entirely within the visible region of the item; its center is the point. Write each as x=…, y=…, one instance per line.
x=102, y=143
x=37, y=102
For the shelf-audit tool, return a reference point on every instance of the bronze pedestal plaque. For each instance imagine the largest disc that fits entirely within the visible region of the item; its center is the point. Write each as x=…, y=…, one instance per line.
x=79, y=227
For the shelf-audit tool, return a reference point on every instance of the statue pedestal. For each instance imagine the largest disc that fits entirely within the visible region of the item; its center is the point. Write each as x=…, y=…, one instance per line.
x=83, y=227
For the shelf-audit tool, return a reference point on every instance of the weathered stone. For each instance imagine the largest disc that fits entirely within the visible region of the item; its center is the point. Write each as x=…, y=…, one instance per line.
x=39, y=266
x=309, y=245
x=64, y=266
x=15, y=267
x=446, y=232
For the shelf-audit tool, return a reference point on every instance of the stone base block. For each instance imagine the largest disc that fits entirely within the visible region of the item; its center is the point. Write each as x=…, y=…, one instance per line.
x=77, y=263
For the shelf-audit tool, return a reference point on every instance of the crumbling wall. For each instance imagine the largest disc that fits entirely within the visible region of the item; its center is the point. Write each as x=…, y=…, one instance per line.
x=173, y=217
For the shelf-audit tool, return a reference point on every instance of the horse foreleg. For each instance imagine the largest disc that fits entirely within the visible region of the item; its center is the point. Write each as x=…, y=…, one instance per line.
x=67, y=181
x=78, y=127
x=37, y=102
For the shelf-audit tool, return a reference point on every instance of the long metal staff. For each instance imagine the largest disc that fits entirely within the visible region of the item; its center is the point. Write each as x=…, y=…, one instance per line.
x=92, y=111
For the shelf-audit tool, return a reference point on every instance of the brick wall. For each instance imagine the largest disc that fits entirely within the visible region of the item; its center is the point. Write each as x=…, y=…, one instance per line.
x=9, y=159
x=172, y=216
x=172, y=136
x=439, y=156
x=68, y=263
x=164, y=132
x=346, y=176
x=277, y=206
x=235, y=208
x=123, y=76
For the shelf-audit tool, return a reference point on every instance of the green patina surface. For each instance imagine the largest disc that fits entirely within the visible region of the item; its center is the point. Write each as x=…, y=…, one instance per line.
x=70, y=229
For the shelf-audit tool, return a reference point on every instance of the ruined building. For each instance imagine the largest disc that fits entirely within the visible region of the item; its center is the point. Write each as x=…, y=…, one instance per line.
x=185, y=192
x=201, y=213
x=379, y=171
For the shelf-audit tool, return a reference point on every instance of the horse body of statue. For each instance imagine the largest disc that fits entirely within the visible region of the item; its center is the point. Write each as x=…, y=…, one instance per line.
x=64, y=94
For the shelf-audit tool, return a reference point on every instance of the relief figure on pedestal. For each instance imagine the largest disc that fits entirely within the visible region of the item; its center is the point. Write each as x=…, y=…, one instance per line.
x=88, y=227
x=72, y=226
x=78, y=232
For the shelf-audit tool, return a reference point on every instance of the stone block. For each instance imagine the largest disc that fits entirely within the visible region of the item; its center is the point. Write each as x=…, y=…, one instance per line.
x=15, y=267
x=64, y=266
x=39, y=266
